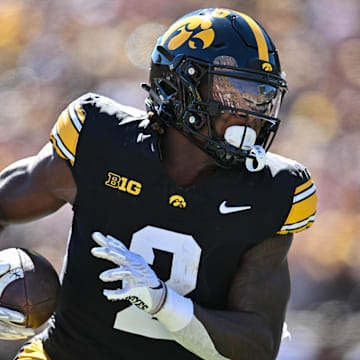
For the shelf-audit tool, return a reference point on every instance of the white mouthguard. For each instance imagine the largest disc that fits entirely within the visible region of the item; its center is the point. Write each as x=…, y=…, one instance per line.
x=234, y=135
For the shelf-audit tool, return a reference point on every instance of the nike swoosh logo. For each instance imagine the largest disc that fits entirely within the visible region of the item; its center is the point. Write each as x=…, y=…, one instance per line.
x=224, y=209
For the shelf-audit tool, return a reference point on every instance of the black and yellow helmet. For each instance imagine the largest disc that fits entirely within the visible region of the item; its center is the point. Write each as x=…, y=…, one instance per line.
x=210, y=62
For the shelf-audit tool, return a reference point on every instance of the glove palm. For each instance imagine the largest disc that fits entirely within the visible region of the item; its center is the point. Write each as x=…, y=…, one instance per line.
x=141, y=286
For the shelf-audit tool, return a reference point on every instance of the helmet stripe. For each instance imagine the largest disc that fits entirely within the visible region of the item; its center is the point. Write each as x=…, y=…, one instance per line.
x=259, y=36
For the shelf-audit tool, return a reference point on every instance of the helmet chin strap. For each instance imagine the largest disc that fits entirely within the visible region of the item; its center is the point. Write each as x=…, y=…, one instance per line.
x=244, y=137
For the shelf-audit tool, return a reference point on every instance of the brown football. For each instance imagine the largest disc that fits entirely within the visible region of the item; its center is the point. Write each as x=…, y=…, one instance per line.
x=31, y=286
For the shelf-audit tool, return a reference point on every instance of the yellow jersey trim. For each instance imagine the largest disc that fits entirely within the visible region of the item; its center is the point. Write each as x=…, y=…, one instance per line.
x=303, y=211
x=33, y=351
x=65, y=134
x=284, y=232
x=57, y=148
x=304, y=186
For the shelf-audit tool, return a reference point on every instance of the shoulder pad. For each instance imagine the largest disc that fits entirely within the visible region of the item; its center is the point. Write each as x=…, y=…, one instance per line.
x=277, y=163
x=303, y=208
x=113, y=108
x=65, y=133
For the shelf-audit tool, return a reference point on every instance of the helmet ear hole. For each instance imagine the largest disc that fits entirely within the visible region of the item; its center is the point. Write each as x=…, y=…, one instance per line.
x=192, y=70
x=195, y=72
x=195, y=121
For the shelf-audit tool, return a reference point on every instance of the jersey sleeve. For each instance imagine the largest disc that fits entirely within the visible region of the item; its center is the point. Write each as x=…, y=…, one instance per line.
x=303, y=209
x=65, y=133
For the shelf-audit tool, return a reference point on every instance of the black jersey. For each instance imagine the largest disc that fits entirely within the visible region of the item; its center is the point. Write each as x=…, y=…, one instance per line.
x=192, y=237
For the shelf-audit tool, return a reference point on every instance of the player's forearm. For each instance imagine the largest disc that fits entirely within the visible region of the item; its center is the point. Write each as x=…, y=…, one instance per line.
x=196, y=339
x=177, y=314
x=239, y=335
x=216, y=334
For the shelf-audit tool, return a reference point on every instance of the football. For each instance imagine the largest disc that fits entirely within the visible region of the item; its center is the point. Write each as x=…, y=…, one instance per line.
x=31, y=286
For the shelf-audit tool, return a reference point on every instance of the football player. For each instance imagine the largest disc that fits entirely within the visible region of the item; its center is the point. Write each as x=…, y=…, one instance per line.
x=180, y=213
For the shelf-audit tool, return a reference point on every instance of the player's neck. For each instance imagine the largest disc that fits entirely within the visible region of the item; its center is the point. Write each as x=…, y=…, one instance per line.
x=185, y=162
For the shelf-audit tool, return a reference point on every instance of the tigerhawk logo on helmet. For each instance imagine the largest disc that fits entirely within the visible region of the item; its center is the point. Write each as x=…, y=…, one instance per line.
x=188, y=27
x=211, y=62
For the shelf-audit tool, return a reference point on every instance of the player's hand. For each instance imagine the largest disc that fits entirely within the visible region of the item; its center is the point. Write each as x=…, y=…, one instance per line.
x=141, y=286
x=11, y=321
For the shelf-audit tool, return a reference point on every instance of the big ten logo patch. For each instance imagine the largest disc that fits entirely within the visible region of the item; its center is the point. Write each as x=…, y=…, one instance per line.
x=122, y=183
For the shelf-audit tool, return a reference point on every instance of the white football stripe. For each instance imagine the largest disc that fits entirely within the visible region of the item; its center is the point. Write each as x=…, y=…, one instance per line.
x=4, y=268
x=11, y=256
x=304, y=194
x=8, y=278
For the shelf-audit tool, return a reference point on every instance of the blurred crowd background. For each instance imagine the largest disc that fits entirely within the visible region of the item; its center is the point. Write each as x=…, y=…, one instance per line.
x=54, y=51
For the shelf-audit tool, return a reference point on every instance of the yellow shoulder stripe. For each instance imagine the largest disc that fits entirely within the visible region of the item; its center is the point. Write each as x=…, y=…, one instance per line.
x=57, y=148
x=304, y=186
x=65, y=133
x=303, y=211
x=33, y=351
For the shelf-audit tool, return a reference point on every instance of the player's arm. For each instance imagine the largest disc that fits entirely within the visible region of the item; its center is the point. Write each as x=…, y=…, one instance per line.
x=29, y=189
x=250, y=327
x=35, y=187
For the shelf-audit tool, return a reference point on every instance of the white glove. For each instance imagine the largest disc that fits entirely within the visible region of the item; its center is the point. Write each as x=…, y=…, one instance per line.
x=141, y=286
x=10, y=320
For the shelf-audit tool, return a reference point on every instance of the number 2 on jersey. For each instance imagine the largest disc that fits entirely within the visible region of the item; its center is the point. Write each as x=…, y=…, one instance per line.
x=183, y=275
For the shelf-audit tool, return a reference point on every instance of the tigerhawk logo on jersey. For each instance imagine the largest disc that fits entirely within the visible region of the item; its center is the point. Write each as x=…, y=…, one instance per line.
x=177, y=201
x=122, y=183
x=186, y=31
